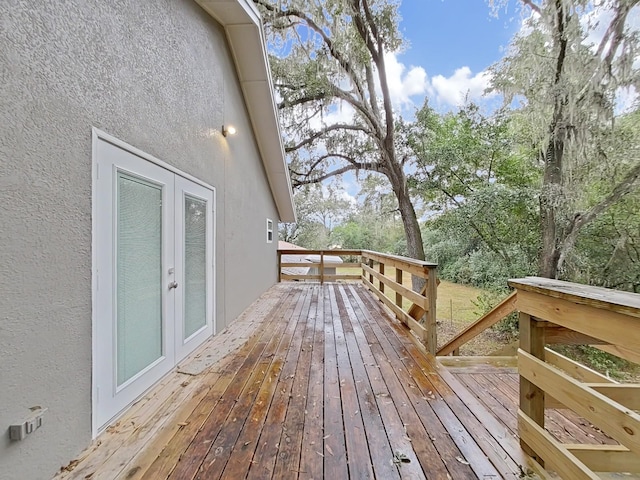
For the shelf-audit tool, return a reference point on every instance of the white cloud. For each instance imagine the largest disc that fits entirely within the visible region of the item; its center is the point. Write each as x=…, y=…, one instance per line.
x=626, y=100
x=339, y=113
x=403, y=83
x=349, y=198
x=460, y=86
x=338, y=192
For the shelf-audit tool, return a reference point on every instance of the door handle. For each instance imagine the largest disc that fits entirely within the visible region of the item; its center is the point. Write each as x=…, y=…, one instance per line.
x=173, y=285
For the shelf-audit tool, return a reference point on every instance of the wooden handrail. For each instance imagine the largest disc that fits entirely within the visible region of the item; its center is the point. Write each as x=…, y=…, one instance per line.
x=321, y=265
x=338, y=252
x=497, y=313
x=552, y=311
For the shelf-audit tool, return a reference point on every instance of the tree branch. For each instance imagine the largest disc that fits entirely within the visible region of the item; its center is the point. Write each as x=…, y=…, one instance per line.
x=330, y=128
x=374, y=167
x=299, y=101
x=365, y=33
x=341, y=94
x=318, y=161
x=342, y=60
x=476, y=228
x=580, y=220
x=532, y=6
x=615, y=30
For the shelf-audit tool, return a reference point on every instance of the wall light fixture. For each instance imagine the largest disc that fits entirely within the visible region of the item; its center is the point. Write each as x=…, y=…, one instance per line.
x=228, y=130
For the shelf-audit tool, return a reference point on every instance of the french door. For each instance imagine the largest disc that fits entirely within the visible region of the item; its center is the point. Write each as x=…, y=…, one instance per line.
x=153, y=273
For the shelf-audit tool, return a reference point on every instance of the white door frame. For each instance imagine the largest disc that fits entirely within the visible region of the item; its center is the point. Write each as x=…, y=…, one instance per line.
x=174, y=350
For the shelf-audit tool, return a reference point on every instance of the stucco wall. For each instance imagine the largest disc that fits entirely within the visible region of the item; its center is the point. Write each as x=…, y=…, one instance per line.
x=156, y=74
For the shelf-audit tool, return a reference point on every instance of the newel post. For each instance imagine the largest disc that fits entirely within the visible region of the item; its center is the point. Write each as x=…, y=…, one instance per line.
x=279, y=266
x=531, y=397
x=431, y=294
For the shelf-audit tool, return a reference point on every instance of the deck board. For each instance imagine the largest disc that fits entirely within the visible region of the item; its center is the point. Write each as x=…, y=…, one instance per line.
x=325, y=384
x=498, y=391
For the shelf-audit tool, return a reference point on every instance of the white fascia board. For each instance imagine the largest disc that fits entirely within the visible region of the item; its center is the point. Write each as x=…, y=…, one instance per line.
x=243, y=27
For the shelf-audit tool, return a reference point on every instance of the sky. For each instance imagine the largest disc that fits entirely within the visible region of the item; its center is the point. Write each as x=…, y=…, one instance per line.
x=451, y=43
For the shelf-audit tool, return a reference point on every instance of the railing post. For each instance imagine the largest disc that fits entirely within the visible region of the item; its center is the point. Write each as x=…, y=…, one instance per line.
x=279, y=266
x=371, y=266
x=398, y=280
x=321, y=267
x=432, y=294
x=381, y=273
x=531, y=397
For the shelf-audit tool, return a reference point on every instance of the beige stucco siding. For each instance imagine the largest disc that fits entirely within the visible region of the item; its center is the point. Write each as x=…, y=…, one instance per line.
x=156, y=74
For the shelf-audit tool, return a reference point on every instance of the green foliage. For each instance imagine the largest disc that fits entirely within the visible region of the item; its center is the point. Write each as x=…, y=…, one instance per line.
x=608, y=251
x=374, y=224
x=319, y=209
x=485, y=188
x=486, y=301
x=598, y=360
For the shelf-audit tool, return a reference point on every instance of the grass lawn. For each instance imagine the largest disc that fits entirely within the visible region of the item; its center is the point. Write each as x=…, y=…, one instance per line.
x=456, y=310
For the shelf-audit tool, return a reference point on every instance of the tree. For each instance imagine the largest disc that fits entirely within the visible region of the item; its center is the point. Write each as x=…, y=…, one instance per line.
x=320, y=208
x=482, y=186
x=331, y=55
x=374, y=223
x=471, y=165
x=570, y=86
x=608, y=251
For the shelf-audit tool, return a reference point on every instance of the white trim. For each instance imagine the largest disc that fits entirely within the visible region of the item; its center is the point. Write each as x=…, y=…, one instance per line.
x=184, y=346
x=213, y=262
x=111, y=398
x=94, y=278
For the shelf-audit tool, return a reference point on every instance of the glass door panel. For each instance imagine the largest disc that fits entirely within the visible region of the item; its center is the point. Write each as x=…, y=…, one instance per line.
x=195, y=265
x=138, y=276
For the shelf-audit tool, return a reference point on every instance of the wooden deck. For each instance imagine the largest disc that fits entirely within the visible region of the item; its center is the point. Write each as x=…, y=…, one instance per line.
x=497, y=388
x=321, y=383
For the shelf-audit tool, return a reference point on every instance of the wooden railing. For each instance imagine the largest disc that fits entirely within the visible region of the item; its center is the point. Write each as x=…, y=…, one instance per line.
x=320, y=266
x=418, y=312
x=551, y=312
x=423, y=304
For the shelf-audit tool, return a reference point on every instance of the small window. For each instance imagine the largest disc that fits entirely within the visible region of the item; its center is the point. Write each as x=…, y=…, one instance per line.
x=269, y=231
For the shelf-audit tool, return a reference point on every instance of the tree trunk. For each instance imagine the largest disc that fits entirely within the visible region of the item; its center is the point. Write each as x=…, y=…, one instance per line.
x=549, y=256
x=551, y=199
x=415, y=248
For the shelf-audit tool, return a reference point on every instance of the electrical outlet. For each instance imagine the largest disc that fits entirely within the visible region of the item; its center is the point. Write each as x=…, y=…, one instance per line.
x=19, y=431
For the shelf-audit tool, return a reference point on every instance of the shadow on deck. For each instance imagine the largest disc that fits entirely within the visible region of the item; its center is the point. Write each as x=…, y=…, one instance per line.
x=317, y=381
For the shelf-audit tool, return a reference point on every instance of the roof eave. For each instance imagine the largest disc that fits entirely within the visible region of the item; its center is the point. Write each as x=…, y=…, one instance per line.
x=243, y=27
